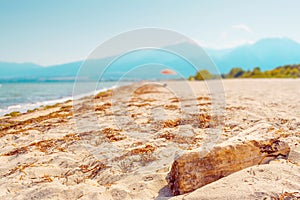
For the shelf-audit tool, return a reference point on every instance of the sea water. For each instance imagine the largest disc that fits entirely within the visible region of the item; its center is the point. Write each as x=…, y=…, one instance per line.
x=24, y=96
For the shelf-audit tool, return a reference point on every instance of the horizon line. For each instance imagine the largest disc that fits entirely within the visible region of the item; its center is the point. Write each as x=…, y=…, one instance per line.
x=205, y=47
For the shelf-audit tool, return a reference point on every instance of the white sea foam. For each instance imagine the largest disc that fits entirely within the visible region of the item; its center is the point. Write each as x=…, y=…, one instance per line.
x=29, y=106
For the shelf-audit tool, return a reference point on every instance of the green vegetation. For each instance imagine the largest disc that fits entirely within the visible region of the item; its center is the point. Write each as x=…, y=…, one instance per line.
x=287, y=71
x=203, y=75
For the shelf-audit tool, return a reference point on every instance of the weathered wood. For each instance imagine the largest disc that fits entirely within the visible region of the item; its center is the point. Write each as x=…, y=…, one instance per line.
x=193, y=170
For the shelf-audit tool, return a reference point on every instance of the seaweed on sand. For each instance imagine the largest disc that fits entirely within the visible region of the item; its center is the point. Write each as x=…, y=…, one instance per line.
x=46, y=146
x=104, y=94
x=113, y=134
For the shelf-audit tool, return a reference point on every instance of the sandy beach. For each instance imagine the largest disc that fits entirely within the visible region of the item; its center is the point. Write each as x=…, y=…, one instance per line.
x=121, y=143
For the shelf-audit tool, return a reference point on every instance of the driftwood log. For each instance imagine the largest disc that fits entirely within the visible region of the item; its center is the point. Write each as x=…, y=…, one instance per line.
x=193, y=170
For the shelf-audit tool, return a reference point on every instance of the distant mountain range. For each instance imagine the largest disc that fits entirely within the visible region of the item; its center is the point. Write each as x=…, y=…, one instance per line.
x=266, y=53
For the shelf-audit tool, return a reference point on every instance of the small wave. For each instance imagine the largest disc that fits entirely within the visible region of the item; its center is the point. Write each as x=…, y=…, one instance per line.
x=14, y=107
x=29, y=106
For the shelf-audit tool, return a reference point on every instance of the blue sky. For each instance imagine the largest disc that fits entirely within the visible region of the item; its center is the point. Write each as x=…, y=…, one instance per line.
x=59, y=31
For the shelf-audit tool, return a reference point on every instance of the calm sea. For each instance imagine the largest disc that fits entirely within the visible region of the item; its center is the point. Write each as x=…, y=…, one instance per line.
x=24, y=96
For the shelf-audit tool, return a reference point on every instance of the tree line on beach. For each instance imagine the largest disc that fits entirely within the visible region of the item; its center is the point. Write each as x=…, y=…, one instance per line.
x=286, y=71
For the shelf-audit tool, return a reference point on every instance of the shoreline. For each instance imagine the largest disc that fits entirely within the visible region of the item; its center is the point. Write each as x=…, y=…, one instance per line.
x=24, y=107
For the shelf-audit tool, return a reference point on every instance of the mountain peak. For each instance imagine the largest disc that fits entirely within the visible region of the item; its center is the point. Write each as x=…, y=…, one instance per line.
x=266, y=53
x=276, y=40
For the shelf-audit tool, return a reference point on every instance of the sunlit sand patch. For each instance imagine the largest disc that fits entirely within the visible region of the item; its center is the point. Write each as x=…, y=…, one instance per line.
x=107, y=157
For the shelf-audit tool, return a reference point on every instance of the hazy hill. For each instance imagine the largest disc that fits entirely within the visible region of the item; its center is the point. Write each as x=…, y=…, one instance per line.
x=18, y=69
x=266, y=53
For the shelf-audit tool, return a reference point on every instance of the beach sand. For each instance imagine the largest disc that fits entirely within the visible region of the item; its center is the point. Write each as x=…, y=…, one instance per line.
x=122, y=143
